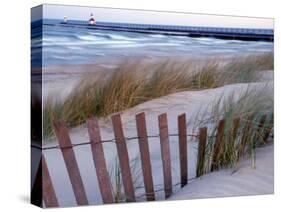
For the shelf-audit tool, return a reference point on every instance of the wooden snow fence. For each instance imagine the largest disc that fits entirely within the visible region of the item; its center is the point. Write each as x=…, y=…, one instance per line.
x=43, y=177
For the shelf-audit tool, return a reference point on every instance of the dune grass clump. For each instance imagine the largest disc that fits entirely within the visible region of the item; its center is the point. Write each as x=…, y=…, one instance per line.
x=128, y=85
x=244, y=69
x=254, y=110
x=135, y=82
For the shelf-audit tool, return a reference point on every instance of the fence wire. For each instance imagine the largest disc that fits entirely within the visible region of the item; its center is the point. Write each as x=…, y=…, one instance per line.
x=126, y=138
x=105, y=141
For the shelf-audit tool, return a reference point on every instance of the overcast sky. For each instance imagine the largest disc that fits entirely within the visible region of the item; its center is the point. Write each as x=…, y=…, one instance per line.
x=150, y=17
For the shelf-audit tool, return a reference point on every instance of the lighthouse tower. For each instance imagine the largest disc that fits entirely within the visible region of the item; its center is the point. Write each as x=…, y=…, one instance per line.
x=92, y=20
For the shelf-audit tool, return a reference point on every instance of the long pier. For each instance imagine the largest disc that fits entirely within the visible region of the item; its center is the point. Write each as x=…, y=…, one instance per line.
x=191, y=31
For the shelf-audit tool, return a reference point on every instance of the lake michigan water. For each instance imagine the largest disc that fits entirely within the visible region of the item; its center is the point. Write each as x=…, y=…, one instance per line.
x=70, y=45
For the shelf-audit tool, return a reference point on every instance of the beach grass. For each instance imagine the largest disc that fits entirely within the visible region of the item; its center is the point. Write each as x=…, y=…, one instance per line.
x=250, y=107
x=247, y=67
x=134, y=82
x=116, y=178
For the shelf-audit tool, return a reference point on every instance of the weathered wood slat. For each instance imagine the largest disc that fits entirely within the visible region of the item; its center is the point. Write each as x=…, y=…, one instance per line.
x=123, y=158
x=262, y=121
x=235, y=123
x=183, y=149
x=99, y=160
x=245, y=135
x=218, y=146
x=261, y=132
x=165, y=153
x=269, y=128
x=49, y=195
x=61, y=132
x=201, y=151
x=145, y=156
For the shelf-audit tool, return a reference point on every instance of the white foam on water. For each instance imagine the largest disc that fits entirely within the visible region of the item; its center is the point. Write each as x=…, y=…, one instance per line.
x=157, y=36
x=85, y=43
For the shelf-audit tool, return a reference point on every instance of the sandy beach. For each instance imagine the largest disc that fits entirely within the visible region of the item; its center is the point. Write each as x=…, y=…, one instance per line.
x=189, y=102
x=246, y=180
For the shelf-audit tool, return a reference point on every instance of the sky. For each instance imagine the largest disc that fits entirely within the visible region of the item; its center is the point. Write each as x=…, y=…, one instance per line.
x=150, y=17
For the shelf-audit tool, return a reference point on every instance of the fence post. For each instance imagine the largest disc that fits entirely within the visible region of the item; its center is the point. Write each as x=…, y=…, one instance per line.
x=145, y=156
x=99, y=160
x=201, y=151
x=235, y=128
x=183, y=149
x=123, y=158
x=245, y=135
x=165, y=153
x=49, y=195
x=261, y=125
x=70, y=162
x=262, y=121
x=269, y=128
x=218, y=146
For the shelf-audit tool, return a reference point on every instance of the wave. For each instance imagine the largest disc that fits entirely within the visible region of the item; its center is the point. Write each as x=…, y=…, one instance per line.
x=82, y=45
x=99, y=36
x=157, y=36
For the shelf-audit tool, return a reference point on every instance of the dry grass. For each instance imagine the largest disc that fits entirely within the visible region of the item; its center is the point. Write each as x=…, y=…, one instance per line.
x=132, y=83
x=250, y=107
x=243, y=70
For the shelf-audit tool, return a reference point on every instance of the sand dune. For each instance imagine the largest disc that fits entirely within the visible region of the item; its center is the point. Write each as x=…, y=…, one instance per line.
x=245, y=181
x=189, y=102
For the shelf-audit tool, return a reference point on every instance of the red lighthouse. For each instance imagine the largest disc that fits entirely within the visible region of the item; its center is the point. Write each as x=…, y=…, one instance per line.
x=92, y=20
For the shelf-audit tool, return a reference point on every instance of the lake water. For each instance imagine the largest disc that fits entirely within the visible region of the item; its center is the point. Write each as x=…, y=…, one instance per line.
x=71, y=45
